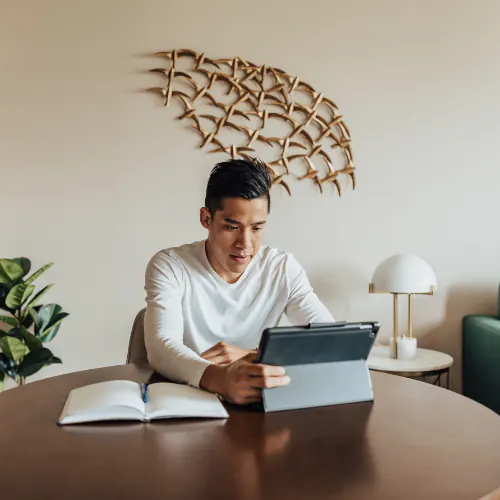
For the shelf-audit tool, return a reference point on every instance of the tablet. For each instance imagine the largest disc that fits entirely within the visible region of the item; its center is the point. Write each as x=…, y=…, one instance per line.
x=317, y=343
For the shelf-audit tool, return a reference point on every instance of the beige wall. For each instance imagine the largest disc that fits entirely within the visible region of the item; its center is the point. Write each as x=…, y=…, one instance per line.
x=97, y=176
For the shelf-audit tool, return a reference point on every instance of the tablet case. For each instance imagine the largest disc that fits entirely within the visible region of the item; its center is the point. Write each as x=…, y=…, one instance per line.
x=326, y=363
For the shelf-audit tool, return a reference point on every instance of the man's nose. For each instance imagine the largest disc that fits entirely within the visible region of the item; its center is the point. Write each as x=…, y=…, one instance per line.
x=244, y=240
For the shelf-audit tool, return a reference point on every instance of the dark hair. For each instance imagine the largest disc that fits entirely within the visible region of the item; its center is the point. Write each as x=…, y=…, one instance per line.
x=247, y=178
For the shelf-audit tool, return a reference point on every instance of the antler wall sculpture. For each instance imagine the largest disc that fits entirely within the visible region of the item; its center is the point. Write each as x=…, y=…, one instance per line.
x=256, y=96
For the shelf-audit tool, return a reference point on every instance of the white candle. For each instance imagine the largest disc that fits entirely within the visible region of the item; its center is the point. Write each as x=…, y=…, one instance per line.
x=407, y=347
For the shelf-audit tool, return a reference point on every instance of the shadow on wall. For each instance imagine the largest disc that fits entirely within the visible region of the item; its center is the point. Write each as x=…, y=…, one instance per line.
x=462, y=299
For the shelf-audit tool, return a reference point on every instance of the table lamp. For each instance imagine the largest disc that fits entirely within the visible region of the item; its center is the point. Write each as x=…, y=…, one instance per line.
x=403, y=274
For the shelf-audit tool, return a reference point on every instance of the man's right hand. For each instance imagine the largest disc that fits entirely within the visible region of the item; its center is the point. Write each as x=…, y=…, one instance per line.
x=241, y=381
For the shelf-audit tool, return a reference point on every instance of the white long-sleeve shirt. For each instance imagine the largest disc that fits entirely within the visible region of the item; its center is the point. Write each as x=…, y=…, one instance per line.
x=190, y=307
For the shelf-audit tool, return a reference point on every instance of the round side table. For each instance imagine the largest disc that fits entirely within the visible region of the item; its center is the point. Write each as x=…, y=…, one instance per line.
x=426, y=364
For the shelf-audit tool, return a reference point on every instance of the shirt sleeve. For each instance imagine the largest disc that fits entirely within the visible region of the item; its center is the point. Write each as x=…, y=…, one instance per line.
x=303, y=305
x=164, y=323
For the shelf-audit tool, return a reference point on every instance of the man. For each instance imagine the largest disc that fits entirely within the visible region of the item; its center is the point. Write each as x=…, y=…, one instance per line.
x=208, y=302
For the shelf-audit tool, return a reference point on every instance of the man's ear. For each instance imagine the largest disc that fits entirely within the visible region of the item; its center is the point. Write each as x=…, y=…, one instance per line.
x=205, y=217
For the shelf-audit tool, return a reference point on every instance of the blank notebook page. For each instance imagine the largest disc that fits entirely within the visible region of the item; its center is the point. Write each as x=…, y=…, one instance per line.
x=182, y=400
x=116, y=393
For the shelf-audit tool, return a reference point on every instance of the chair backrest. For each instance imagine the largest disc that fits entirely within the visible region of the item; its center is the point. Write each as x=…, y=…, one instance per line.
x=137, y=347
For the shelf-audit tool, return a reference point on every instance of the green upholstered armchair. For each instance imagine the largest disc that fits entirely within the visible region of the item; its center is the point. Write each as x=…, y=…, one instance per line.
x=481, y=358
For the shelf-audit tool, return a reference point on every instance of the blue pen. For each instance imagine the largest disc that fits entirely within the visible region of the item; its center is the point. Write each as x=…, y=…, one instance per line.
x=144, y=390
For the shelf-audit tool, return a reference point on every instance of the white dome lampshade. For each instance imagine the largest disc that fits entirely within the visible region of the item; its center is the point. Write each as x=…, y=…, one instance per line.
x=403, y=273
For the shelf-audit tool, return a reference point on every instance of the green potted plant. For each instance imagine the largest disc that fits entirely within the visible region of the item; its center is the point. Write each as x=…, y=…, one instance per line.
x=28, y=324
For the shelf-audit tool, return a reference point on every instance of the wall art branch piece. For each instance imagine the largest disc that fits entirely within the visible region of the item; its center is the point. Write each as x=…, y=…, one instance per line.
x=246, y=100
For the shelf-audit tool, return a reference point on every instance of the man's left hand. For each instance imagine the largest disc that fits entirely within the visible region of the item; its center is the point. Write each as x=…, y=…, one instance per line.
x=223, y=353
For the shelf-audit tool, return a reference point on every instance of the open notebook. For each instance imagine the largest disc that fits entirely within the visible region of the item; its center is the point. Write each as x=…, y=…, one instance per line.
x=122, y=400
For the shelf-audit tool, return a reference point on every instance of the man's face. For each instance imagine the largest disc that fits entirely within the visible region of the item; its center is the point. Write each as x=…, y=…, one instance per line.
x=234, y=234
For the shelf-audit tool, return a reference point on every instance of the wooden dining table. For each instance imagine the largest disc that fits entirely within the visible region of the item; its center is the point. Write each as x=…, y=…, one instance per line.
x=414, y=441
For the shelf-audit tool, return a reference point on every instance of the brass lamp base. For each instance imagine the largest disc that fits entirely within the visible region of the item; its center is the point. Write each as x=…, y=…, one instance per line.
x=395, y=296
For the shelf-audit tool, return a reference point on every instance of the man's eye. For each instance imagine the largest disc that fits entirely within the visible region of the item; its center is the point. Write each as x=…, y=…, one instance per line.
x=232, y=228
x=257, y=229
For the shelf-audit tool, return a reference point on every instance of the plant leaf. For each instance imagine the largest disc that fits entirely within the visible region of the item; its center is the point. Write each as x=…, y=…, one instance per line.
x=31, y=317
x=36, y=360
x=4, y=291
x=36, y=275
x=45, y=316
x=15, y=296
x=31, y=340
x=10, y=272
x=8, y=366
x=13, y=348
x=2, y=377
x=16, y=333
x=51, y=331
x=18, y=295
x=27, y=293
x=24, y=263
x=38, y=296
x=9, y=320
